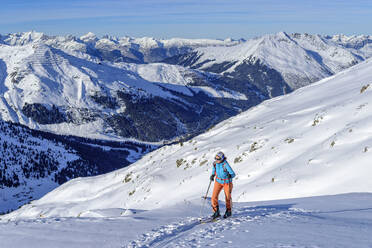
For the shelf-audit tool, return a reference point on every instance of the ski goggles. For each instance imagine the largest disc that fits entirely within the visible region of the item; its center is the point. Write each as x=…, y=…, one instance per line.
x=217, y=158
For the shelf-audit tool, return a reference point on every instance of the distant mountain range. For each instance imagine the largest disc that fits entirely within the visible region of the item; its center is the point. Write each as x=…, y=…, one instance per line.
x=314, y=141
x=82, y=86
x=149, y=92
x=72, y=92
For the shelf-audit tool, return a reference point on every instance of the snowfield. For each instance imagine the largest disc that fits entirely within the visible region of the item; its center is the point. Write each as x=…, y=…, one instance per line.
x=300, y=58
x=326, y=221
x=35, y=73
x=315, y=141
x=74, y=86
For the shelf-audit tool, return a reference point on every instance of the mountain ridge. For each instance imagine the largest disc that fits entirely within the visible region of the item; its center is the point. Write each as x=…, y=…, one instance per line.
x=300, y=59
x=47, y=87
x=239, y=73
x=71, y=86
x=318, y=146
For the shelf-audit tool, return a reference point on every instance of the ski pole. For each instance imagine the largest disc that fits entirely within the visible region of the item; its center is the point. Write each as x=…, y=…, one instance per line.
x=205, y=198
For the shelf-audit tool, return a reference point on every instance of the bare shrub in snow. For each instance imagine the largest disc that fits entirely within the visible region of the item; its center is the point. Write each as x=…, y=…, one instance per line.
x=203, y=162
x=289, y=140
x=128, y=178
x=364, y=88
x=238, y=160
x=317, y=120
x=179, y=162
x=254, y=147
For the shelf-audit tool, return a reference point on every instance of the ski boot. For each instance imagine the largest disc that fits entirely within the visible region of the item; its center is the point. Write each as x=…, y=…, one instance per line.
x=216, y=214
x=227, y=214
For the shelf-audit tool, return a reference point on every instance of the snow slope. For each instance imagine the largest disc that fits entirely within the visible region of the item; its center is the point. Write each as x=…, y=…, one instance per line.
x=300, y=58
x=317, y=222
x=74, y=86
x=29, y=166
x=48, y=89
x=315, y=141
x=32, y=163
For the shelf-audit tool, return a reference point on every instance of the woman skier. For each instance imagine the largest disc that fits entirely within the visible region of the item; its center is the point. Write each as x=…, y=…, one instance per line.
x=224, y=175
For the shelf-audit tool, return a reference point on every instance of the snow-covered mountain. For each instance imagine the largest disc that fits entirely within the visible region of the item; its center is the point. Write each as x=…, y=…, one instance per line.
x=115, y=89
x=46, y=88
x=73, y=86
x=281, y=62
x=33, y=162
x=314, y=141
x=114, y=49
x=69, y=92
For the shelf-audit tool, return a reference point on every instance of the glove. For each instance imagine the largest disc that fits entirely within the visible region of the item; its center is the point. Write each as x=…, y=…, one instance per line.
x=212, y=177
x=228, y=176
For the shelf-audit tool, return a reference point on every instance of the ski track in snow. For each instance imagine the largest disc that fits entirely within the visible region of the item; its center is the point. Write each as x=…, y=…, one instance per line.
x=192, y=233
x=340, y=221
x=279, y=224
x=189, y=233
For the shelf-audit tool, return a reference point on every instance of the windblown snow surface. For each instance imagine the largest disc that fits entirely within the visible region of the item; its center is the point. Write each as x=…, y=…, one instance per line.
x=300, y=160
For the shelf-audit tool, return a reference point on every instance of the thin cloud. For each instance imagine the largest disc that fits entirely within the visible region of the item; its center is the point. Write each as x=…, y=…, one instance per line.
x=238, y=15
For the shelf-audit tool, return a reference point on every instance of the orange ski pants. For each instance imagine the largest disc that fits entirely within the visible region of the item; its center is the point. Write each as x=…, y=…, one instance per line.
x=227, y=188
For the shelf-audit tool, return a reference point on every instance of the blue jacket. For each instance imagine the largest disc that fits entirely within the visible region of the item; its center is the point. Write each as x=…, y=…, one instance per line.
x=221, y=170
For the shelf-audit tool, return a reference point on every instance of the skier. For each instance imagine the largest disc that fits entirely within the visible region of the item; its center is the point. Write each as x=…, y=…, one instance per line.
x=224, y=175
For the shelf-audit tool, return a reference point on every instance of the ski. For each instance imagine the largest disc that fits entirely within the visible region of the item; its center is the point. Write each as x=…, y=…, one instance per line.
x=209, y=220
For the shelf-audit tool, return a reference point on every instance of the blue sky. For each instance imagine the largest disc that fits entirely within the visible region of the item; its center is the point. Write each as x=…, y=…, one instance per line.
x=186, y=18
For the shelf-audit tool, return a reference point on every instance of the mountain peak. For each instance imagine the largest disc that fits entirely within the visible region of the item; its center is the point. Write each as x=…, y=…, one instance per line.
x=282, y=33
x=89, y=37
x=308, y=129
x=24, y=38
